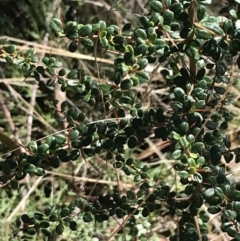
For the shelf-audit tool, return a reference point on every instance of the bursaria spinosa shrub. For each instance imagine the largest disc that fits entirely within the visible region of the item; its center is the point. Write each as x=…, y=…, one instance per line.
x=198, y=55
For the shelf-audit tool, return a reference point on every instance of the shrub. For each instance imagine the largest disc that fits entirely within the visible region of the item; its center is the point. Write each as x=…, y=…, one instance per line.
x=198, y=56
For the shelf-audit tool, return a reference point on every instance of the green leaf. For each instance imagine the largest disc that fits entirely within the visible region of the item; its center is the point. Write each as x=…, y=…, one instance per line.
x=60, y=138
x=73, y=226
x=200, y=161
x=197, y=177
x=6, y=168
x=126, y=27
x=202, y=34
x=102, y=25
x=43, y=148
x=145, y=212
x=31, y=231
x=166, y=28
x=176, y=7
x=30, y=168
x=193, y=155
x=183, y=174
x=233, y=14
x=32, y=146
x=229, y=214
x=201, y=63
x=161, y=132
x=95, y=27
x=14, y=184
x=87, y=217
x=129, y=48
x=85, y=30
x=64, y=212
x=55, y=161
x=86, y=42
x=141, y=49
x=60, y=229
x=118, y=39
x=48, y=210
x=10, y=59
x=132, y=142
x=46, y=232
x=126, y=84
x=54, y=217
x=73, y=46
x=184, y=126
x=103, y=42
x=193, y=53
x=142, y=63
x=201, y=12
x=129, y=59
x=140, y=33
x=176, y=154
x=137, y=178
x=179, y=93
x=74, y=135
x=237, y=236
x=214, y=209
x=168, y=17
x=62, y=72
x=236, y=44
x=232, y=231
x=144, y=21
x=3, y=41
x=142, y=76
x=56, y=25
x=183, y=142
x=174, y=135
x=155, y=20
x=191, y=138
x=72, y=74
x=209, y=193
x=40, y=172
x=89, y=152
x=43, y=224
x=109, y=30
x=156, y=6
x=159, y=43
x=211, y=125
x=115, y=27
x=131, y=195
x=10, y=49
x=105, y=88
x=25, y=218
x=26, y=67
x=236, y=206
x=227, y=25
x=151, y=31
x=185, y=32
x=213, y=26
x=198, y=147
x=221, y=68
x=191, y=162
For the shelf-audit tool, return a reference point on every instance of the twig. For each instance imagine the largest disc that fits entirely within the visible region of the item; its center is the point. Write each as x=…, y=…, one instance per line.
x=86, y=179
x=21, y=203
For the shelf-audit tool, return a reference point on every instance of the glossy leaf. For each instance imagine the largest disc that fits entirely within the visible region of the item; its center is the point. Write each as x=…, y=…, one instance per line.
x=56, y=25
x=87, y=217
x=156, y=6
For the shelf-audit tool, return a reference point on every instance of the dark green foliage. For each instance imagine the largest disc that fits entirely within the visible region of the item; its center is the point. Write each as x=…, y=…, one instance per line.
x=193, y=126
